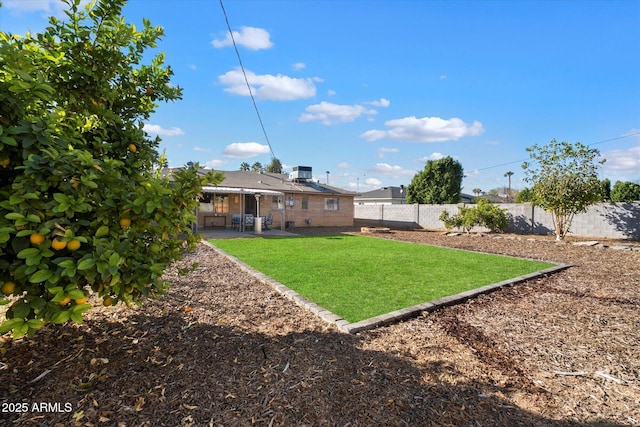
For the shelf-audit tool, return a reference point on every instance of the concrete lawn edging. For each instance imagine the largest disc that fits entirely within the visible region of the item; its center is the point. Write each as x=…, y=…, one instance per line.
x=387, y=318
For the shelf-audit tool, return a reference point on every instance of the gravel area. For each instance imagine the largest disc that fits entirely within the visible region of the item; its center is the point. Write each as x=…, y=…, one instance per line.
x=224, y=349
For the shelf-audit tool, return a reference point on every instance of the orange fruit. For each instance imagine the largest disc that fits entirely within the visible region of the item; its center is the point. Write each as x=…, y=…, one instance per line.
x=58, y=244
x=65, y=301
x=125, y=222
x=107, y=301
x=8, y=288
x=133, y=148
x=82, y=300
x=73, y=245
x=36, y=238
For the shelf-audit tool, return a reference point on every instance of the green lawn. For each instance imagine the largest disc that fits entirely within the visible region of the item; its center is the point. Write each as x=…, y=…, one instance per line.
x=359, y=277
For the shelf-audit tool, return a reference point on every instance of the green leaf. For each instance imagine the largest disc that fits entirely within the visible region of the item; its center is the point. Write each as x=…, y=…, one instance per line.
x=8, y=140
x=102, y=231
x=34, y=218
x=35, y=323
x=77, y=318
x=21, y=310
x=10, y=324
x=80, y=308
x=60, y=317
x=20, y=330
x=86, y=264
x=76, y=294
x=12, y=216
x=40, y=276
x=28, y=253
x=114, y=259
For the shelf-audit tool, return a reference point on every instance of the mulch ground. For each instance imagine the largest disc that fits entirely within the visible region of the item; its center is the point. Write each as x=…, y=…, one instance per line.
x=222, y=348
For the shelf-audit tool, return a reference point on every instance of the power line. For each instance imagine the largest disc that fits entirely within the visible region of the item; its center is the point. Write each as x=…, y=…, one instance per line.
x=588, y=145
x=264, y=131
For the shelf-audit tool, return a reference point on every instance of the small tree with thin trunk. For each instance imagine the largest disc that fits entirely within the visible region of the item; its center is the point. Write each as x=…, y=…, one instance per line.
x=564, y=179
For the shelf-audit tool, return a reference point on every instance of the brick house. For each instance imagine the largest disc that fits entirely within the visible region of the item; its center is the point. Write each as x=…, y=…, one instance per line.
x=293, y=200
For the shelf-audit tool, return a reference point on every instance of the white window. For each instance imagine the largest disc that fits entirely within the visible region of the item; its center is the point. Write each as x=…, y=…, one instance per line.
x=331, y=204
x=276, y=202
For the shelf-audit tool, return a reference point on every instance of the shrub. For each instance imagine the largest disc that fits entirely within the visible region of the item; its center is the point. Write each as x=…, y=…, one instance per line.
x=483, y=214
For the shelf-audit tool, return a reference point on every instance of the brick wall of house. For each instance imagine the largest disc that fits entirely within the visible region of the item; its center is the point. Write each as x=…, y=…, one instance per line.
x=316, y=212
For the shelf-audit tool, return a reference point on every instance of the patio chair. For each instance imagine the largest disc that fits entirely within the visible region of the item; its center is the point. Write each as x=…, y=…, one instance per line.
x=248, y=221
x=268, y=221
x=235, y=221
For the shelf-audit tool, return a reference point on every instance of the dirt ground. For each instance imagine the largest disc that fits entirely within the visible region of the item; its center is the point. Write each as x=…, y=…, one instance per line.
x=224, y=349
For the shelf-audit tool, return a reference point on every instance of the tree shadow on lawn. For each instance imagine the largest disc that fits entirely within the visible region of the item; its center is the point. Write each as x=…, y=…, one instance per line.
x=162, y=370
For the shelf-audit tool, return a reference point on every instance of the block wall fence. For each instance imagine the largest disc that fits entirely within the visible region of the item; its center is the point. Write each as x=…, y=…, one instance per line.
x=603, y=220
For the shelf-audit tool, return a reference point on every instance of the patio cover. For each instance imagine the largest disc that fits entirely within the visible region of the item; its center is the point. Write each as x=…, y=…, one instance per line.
x=243, y=191
x=235, y=190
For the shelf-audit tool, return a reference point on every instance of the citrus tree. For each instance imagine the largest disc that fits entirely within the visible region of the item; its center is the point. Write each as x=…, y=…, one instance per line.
x=564, y=179
x=84, y=205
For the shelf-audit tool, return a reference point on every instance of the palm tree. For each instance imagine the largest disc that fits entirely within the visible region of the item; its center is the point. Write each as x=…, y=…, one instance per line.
x=477, y=191
x=244, y=166
x=508, y=175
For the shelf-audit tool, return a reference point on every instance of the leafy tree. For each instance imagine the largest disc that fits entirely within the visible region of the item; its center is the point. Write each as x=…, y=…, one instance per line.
x=625, y=191
x=564, y=180
x=483, y=214
x=525, y=195
x=605, y=190
x=438, y=183
x=274, y=167
x=256, y=167
x=244, y=166
x=84, y=206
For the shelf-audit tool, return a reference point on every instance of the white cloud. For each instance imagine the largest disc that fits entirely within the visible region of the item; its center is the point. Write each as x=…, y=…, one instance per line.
x=330, y=113
x=250, y=37
x=382, y=102
x=193, y=67
x=202, y=150
x=443, y=77
x=268, y=86
x=331, y=92
x=212, y=164
x=426, y=129
x=391, y=170
x=623, y=163
x=343, y=165
x=432, y=156
x=373, y=182
x=159, y=130
x=299, y=66
x=245, y=150
x=383, y=150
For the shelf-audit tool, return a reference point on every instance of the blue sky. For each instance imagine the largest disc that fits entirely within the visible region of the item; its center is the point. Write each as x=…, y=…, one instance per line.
x=371, y=90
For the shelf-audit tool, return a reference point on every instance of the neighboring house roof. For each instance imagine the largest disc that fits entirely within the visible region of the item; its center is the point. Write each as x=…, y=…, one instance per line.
x=276, y=182
x=385, y=194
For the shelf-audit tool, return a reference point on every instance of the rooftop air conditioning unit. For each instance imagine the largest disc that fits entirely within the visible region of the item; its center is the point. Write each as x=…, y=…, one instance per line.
x=300, y=173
